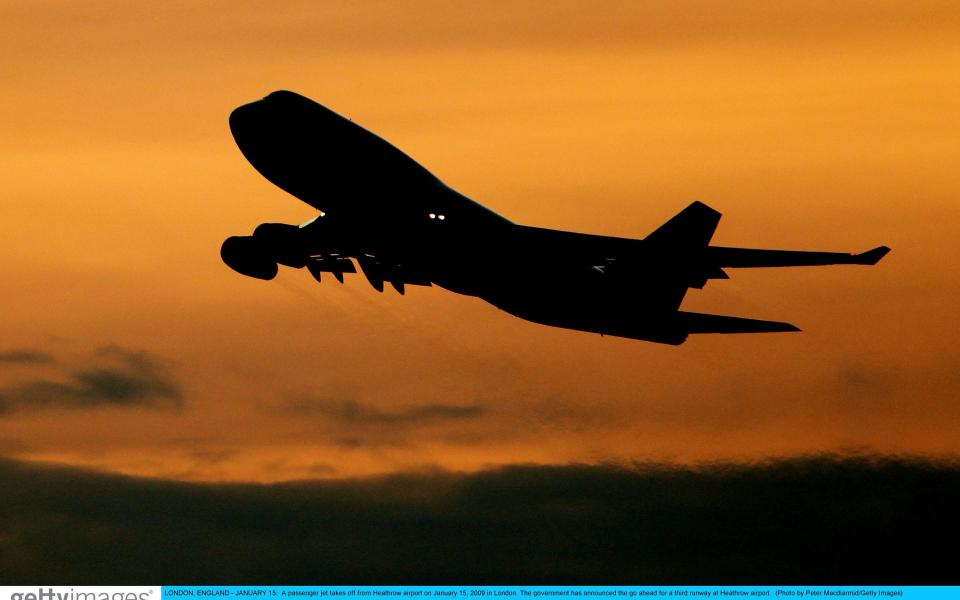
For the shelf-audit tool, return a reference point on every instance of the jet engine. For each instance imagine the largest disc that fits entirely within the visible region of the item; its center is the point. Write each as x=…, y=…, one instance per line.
x=246, y=255
x=257, y=255
x=283, y=243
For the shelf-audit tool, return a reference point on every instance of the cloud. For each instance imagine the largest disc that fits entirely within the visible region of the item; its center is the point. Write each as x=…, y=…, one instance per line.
x=355, y=412
x=351, y=425
x=861, y=379
x=10, y=446
x=212, y=457
x=128, y=378
x=819, y=520
x=26, y=356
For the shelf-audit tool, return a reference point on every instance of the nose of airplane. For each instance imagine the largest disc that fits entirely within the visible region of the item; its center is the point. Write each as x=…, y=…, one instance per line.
x=285, y=96
x=276, y=135
x=242, y=120
x=251, y=122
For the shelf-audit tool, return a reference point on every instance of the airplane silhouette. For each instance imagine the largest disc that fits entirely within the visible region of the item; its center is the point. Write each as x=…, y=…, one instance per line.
x=403, y=226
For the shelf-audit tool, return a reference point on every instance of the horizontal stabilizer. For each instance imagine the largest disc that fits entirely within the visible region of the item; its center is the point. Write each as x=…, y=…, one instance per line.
x=753, y=257
x=691, y=322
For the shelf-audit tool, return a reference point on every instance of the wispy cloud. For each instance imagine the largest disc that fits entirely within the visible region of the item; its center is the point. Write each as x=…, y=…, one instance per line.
x=355, y=412
x=26, y=356
x=10, y=446
x=126, y=378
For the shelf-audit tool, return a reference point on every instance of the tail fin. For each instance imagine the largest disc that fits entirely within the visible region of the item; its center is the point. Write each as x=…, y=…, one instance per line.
x=690, y=228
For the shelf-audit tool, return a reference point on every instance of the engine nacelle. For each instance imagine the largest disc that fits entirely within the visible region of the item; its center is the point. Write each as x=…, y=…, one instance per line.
x=283, y=243
x=246, y=255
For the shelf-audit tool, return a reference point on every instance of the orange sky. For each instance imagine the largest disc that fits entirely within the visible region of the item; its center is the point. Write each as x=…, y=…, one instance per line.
x=814, y=125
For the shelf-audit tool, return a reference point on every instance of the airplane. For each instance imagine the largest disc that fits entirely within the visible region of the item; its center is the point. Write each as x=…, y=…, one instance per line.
x=403, y=226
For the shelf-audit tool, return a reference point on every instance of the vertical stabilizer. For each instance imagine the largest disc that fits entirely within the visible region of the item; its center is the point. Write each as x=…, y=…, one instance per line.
x=691, y=228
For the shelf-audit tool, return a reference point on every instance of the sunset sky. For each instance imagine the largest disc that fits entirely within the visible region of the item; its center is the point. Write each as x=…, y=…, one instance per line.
x=127, y=346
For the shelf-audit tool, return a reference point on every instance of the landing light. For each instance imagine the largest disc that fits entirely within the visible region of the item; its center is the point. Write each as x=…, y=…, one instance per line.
x=311, y=221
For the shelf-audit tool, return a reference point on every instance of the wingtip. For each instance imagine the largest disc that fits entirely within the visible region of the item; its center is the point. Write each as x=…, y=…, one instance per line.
x=872, y=257
x=707, y=323
x=780, y=327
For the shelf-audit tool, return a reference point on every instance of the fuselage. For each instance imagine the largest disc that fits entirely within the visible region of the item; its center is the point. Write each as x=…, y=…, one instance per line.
x=377, y=200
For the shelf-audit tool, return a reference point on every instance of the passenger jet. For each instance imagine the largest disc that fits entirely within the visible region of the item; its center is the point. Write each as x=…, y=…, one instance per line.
x=380, y=210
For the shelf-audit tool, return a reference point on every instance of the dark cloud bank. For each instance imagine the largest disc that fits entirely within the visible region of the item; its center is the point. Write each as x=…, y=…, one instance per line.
x=811, y=520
